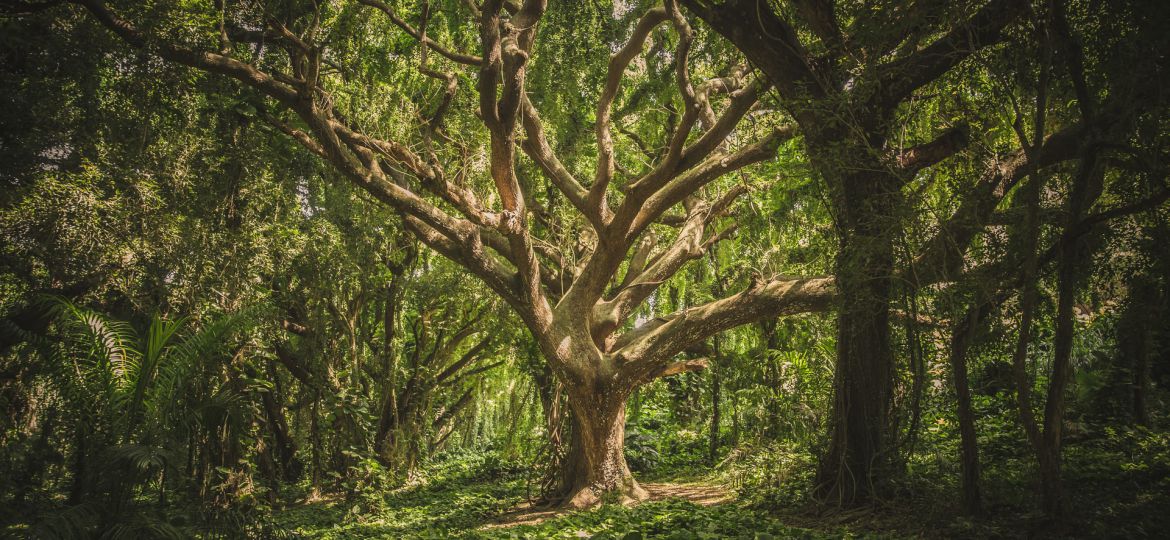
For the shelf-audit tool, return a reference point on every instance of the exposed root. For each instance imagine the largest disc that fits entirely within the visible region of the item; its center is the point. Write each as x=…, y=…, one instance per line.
x=530, y=514
x=588, y=497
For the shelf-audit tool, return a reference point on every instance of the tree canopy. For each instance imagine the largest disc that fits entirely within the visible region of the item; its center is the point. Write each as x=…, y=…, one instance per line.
x=264, y=250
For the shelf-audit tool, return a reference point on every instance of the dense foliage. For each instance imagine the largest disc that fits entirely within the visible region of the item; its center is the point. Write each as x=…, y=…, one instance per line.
x=366, y=269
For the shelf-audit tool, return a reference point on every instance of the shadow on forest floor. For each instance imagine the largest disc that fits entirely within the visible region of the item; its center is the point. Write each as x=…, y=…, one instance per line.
x=697, y=493
x=1117, y=486
x=479, y=506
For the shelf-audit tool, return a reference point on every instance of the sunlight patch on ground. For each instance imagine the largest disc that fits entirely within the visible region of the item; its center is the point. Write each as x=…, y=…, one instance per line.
x=701, y=494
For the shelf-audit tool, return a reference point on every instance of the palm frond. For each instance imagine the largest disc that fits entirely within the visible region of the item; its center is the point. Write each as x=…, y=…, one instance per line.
x=142, y=527
x=68, y=523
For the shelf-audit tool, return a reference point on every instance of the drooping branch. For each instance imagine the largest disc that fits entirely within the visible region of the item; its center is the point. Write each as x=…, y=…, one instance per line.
x=454, y=56
x=899, y=78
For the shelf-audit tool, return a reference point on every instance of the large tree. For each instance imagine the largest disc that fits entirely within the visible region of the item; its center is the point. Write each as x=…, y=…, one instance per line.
x=577, y=302
x=853, y=77
x=578, y=233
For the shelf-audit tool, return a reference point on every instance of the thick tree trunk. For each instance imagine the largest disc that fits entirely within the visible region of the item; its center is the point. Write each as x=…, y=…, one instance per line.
x=857, y=458
x=857, y=450
x=596, y=465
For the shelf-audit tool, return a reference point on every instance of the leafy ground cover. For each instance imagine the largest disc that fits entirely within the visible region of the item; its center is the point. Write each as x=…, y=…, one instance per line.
x=1120, y=481
x=478, y=497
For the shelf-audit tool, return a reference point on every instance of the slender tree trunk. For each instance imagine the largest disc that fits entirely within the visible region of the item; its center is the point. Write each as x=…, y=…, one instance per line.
x=34, y=466
x=1085, y=190
x=961, y=340
x=1141, y=380
x=734, y=419
x=315, y=441
x=1051, y=484
x=713, y=447
x=1134, y=343
x=286, y=451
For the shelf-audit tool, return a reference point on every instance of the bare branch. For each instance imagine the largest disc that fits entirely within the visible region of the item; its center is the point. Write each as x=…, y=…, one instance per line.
x=678, y=368
x=916, y=158
x=644, y=349
x=617, y=67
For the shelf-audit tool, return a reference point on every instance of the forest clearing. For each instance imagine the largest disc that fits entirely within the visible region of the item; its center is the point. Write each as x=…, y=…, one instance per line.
x=584, y=269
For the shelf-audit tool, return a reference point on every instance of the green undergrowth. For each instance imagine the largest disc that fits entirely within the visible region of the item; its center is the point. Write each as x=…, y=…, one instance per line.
x=465, y=496
x=1118, y=480
x=453, y=495
x=670, y=518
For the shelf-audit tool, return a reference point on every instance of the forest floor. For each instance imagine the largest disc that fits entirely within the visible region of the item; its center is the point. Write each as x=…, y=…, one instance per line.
x=471, y=500
x=701, y=494
x=1114, y=495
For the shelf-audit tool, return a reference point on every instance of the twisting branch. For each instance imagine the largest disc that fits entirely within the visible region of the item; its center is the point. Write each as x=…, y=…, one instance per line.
x=537, y=148
x=645, y=349
x=507, y=47
x=617, y=68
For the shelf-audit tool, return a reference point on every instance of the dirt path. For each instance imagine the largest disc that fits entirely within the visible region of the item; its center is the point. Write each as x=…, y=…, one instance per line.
x=700, y=494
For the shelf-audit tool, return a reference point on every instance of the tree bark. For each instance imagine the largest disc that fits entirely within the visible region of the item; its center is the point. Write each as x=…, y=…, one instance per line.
x=597, y=457
x=713, y=446
x=857, y=459
x=290, y=467
x=961, y=340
